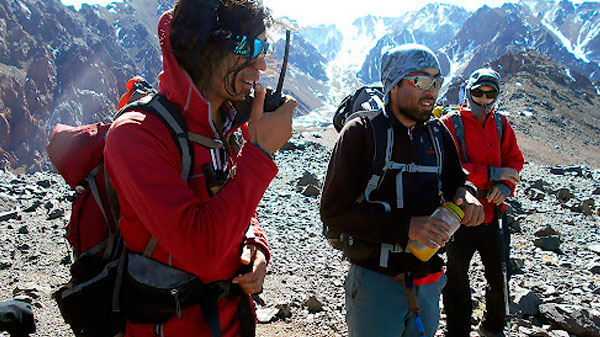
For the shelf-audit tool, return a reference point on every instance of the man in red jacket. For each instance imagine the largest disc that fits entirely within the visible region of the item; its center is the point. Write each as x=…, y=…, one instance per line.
x=213, y=54
x=493, y=166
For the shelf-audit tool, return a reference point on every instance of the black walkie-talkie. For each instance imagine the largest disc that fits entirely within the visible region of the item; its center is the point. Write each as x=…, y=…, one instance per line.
x=275, y=98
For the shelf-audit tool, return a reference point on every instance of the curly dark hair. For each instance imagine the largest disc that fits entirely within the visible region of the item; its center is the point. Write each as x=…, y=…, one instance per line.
x=198, y=50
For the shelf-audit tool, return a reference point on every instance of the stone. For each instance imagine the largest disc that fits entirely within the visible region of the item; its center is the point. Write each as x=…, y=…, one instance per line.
x=7, y=203
x=311, y=191
x=549, y=243
x=285, y=310
x=308, y=178
x=293, y=145
x=14, y=214
x=546, y=231
x=586, y=207
x=45, y=183
x=526, y=302
x=594, y=248
x=513, y=223
x=535, y=194
x=596, y=191
x=55, y=214
x=266, y=315
x=595, y=269
x=577, y=169
x=313, y=304
x=574, y=319
x=23, y=230
x=539, y=184
x=5, y=264
x=564, y=194
x=516, y=264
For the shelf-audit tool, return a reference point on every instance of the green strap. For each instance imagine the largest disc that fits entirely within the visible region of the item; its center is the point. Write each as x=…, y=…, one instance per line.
x=205, y=141
x=150, y=246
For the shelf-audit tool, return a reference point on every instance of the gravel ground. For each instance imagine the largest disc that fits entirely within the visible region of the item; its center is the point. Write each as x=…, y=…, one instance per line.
x=303, y=293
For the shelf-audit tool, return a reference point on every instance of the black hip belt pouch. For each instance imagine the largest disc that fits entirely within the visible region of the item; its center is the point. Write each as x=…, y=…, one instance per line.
x=153, y=292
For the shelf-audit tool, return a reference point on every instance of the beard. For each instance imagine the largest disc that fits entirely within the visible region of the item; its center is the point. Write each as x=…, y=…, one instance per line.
x=416, y=113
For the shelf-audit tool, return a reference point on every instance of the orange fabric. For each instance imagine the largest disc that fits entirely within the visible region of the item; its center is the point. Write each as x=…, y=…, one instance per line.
x=125, y=97
x=421, y=281
x=197, y=233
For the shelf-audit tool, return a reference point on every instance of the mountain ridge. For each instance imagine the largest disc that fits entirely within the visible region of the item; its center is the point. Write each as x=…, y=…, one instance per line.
x=58, y=64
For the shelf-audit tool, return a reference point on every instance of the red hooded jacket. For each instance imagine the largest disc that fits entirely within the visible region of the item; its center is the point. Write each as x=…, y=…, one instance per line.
x=196, y=233
x=483, y=151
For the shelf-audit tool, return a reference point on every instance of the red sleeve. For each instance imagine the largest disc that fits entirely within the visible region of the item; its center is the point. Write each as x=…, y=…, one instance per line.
x=511, y=153
x=259, y=238
x=143, y=163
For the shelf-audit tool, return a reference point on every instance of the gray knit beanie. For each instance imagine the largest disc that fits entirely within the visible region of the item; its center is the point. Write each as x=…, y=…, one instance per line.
x=405, y=59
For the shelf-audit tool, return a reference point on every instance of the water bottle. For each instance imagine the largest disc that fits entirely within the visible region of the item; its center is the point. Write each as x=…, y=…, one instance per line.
x=451, y=214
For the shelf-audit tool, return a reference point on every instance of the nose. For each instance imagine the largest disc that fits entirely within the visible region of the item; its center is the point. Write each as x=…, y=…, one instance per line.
x=260, y=63
x=433, y=91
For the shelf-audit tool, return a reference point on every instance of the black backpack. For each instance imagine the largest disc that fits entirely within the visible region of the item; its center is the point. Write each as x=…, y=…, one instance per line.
x=364, y=99
x=367, y=102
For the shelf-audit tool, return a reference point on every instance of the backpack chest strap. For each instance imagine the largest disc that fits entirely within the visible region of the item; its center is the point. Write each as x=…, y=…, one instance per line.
x=409, y=168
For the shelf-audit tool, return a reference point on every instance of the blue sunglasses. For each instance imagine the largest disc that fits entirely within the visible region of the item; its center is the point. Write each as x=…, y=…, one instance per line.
x=248, y=49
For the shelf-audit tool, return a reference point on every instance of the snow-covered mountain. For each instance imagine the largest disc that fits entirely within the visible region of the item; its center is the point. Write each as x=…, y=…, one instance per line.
x=58, y=64
x=569, y=34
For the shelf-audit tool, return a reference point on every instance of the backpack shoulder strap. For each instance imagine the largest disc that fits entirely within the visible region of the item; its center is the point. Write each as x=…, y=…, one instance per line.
x=383, y=139
x=499, y=127
x=172, y=118
x=459, y=131
x=435, y=133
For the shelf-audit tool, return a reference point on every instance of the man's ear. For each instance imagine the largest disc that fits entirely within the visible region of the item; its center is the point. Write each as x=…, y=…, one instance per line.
x=394, y=91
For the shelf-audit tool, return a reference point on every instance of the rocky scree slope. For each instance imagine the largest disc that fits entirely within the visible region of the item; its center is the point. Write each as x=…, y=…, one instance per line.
x=556, y=250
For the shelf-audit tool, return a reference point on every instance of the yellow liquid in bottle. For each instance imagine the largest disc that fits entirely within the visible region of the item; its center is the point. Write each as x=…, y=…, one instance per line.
x=421, y=251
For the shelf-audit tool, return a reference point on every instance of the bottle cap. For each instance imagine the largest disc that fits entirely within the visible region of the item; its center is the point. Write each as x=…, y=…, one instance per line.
x=452, y=207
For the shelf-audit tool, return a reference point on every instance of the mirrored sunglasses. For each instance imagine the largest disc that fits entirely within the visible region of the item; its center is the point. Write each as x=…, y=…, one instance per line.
x=425, y=82
x=492, y=94
x=250, y=50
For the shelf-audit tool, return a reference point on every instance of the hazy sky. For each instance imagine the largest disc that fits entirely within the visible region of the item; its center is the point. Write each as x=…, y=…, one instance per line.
x=323, y=11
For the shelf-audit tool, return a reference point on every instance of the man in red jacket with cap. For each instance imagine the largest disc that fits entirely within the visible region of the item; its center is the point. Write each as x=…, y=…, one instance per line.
x=493, y=164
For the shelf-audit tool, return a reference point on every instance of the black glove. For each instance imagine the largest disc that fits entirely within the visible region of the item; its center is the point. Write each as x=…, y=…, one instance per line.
x=16, y=318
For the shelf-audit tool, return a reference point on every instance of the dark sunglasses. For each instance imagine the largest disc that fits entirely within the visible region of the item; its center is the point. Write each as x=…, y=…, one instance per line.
x=425, y=82
x=489, y=94
x=248, y=49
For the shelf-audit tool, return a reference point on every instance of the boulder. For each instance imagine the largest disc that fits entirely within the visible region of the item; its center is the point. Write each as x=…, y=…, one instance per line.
x=314, y=304
x=526, y=302
x=546, y=231
x=311, y=191
x=573, y=319
x=549, y=243
x=535, y=194
x=564, y=194
x=309, y=178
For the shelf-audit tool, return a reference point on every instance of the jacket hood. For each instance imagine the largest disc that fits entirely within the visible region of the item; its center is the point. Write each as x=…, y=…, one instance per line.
x=478, y=78
x=179, y=88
